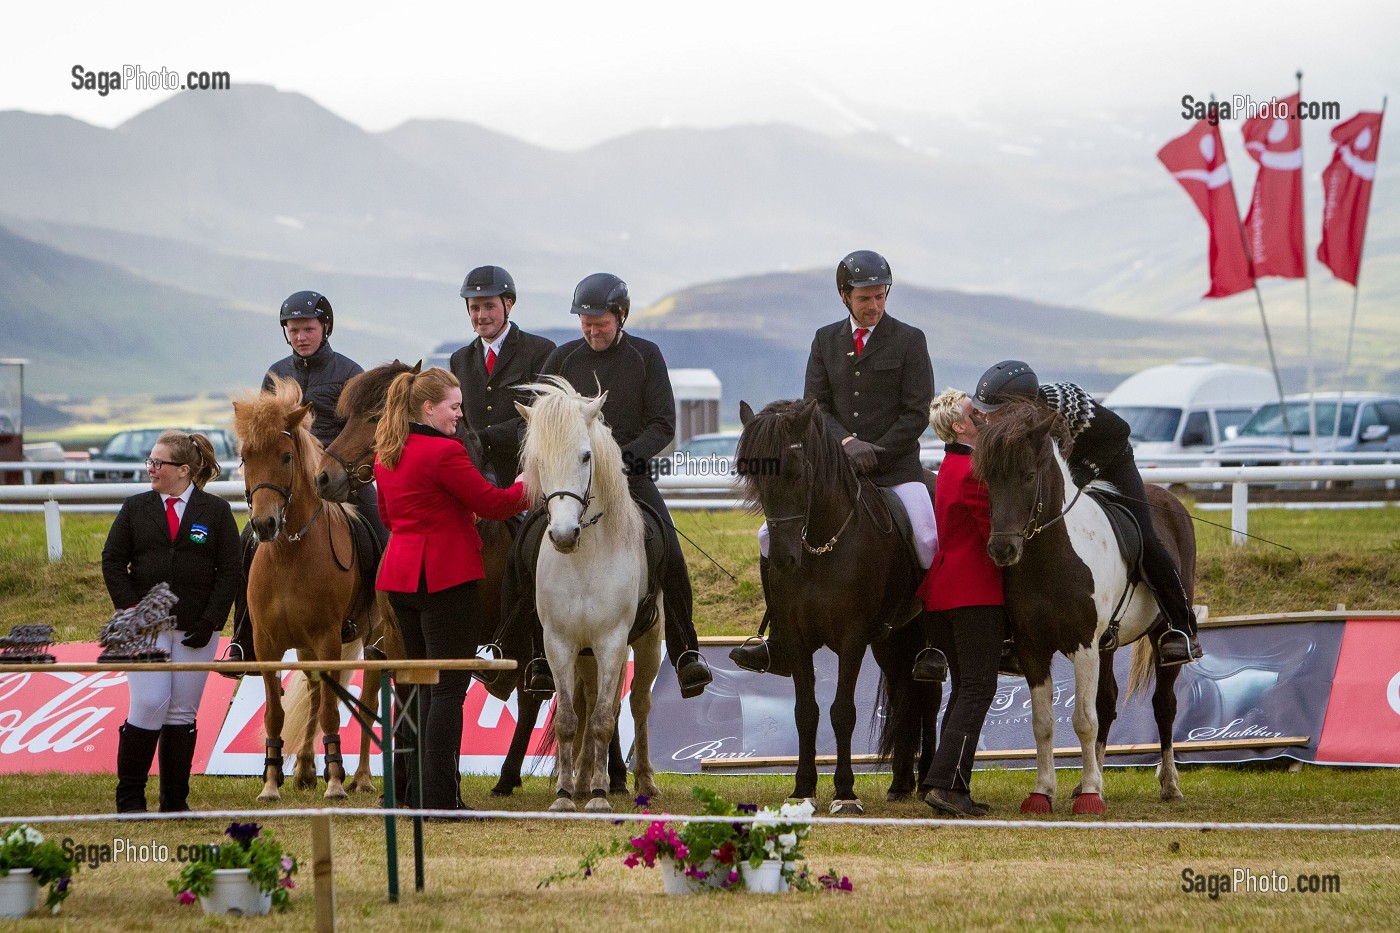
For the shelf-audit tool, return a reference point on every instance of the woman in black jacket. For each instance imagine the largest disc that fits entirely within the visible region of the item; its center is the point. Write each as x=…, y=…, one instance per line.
x=180, y=535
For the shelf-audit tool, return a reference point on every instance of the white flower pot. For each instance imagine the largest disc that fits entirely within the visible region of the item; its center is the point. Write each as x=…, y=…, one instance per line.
x=673, y=876
x=767, y=878
x=231, y=892
x=19, y=893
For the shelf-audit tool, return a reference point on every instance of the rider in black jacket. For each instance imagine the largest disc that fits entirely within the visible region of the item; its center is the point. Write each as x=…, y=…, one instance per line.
x=1102, y=450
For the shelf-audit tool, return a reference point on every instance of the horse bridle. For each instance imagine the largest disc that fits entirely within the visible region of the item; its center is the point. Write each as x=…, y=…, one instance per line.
x=359, y=471
x=1031, y=529
x=584, y=500
x=806, y=519
x=285, y=492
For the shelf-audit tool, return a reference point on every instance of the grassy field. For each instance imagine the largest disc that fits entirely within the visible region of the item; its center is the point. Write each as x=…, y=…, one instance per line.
x=1336, y=557
x=484, y=875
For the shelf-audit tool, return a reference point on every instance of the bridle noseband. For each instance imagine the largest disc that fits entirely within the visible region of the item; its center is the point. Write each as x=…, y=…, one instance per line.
x=359, y=470
x=286, y=493
x=1032, y=528
x=584, y=500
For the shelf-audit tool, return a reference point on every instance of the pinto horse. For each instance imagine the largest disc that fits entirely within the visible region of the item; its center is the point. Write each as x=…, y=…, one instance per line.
x=304, y=582
x=1066, y=583
x=348, y=466
x=846, y=591
x=590, y=578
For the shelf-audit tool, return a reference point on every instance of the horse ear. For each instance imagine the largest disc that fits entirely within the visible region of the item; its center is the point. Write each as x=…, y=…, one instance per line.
x=803, y=416
x=592, y=407
x=417, y=368
x=524, y=411
x=294, y=419
x=745, y=412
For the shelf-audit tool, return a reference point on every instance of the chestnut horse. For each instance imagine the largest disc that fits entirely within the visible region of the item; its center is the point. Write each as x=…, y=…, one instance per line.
x=1066, y=583
x=304, y=582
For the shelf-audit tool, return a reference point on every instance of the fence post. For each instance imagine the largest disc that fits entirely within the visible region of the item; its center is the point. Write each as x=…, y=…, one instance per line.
x=1239, y=513
x=323, y=873
x=53, y=530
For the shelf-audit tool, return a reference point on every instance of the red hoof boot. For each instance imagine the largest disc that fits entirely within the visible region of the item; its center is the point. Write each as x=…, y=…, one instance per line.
x=1091, y=804
x=1036, y=803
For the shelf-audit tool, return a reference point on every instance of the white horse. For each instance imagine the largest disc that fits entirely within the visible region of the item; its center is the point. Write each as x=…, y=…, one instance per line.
x=588, y=582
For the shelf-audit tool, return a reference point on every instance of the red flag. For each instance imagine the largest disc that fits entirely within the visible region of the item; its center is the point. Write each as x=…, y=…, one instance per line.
x=1274, y=225
x=1197, y=160
x=1346, y=191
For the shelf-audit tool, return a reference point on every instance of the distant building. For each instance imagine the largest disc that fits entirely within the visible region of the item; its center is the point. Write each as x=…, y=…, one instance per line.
x=697, y=393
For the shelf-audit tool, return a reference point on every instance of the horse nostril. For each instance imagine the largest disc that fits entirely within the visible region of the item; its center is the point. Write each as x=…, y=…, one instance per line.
x=322, y=480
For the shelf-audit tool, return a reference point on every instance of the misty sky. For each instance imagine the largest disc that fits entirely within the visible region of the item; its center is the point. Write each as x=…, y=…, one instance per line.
x=569, y=74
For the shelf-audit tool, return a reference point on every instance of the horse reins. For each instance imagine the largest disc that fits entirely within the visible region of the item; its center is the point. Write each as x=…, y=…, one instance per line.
x=807, y=517
x=1031, y=529
x=286, y=494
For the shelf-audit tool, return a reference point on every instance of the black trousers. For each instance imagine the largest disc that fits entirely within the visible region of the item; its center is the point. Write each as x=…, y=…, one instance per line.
x=1157, y=564
x=441, y=625
x=971, y=637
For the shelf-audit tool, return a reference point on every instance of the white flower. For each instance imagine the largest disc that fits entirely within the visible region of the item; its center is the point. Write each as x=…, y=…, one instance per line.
x=797, y=812
x=787, y=841
x=32, y=835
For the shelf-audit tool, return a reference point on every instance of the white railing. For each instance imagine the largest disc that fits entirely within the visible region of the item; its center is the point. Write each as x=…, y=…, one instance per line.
x=85, y=468
x=702, y=492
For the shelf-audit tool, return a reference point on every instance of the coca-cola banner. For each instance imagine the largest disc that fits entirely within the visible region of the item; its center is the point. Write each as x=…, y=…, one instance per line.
x=1320, y=691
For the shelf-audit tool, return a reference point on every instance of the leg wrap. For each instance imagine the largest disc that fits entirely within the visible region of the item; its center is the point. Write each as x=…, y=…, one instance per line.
x=272, y=760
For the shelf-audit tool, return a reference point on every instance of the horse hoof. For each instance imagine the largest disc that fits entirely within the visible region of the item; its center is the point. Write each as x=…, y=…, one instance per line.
x=847, y=808
x=1172, y=794
x=305, y=783
x=617, y=788
x=1036, y=803
x=598, y=805
x=502, y=790
x=336, y=792
x=269, y=795
x=562, y=805
x=897, y=796
x=1090, y=804
x=363, y=785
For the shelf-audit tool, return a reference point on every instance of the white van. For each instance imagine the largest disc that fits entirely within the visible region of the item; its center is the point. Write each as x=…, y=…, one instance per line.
x=1187, y=407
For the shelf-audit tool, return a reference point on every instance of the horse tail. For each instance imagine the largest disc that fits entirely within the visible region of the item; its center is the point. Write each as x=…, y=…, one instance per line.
x=1143, y=670
x=300, y=689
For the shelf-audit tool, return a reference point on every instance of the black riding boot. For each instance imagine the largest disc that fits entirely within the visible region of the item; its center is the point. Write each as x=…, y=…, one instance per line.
x=1178, y=644
x=136, y=748
x=763, y=657
x=176, y=755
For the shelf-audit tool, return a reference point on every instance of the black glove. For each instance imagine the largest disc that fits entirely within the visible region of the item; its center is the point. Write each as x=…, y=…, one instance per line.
x=862, y=454
x=198, y=638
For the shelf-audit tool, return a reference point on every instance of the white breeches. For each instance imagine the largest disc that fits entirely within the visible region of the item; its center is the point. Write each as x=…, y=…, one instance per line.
x=920, y=509
x=172, y=698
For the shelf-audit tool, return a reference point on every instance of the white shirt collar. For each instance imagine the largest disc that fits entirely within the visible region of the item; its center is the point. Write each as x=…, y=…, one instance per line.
x=496, y=344
x=856, y=325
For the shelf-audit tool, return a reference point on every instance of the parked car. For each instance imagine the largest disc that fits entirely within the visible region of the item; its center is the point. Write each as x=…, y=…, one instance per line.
x=1188, y=407
x=134, y=446
x=1370, y=423
x=706, y=455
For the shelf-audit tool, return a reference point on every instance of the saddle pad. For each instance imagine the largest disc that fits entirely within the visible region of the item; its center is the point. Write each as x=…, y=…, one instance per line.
x=1125, y=529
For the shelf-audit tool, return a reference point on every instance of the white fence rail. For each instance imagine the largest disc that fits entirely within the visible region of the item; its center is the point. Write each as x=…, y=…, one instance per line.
x=699, y=492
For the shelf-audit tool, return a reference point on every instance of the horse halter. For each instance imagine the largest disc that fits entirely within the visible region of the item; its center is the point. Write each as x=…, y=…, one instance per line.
x=584, y=500
x=286, y=493
x=806, y=519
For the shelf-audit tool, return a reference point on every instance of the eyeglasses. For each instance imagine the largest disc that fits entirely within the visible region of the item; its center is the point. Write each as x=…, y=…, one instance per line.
x=153, y=464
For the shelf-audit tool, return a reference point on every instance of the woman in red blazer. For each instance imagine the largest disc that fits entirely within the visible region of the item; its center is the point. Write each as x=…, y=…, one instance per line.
x=429, y=496
x=962, y=595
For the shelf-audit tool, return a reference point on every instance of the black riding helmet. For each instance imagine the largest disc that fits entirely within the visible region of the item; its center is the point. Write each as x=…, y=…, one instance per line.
x=487, y=282
x=307, y=304
x=600, y=293
x=862, y=268
x=1006, y=380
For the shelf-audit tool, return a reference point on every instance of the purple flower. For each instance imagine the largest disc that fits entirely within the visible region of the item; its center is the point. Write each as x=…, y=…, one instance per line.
x=243, y=833
x=588, y=872
x=641, y=800
x=747, y=807
x=186, y=897
x=63, y=885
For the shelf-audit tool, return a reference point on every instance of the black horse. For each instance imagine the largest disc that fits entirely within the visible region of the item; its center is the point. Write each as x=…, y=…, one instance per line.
x=839, y=578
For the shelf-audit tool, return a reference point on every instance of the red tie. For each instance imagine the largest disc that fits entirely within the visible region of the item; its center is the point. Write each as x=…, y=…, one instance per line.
x=490, y=360
x=171, y=518
x=860, y=339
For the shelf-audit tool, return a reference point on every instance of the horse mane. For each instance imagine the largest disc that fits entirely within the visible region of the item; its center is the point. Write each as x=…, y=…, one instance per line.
x=771, y=431
x=366, y=391
x=259, y=418
x=554, y=417
x=1002, y=443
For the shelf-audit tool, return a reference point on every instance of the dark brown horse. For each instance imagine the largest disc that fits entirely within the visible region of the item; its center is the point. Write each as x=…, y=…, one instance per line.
x=838, y=578
x=304, y=583
x=348, y=465
x=1065, y=580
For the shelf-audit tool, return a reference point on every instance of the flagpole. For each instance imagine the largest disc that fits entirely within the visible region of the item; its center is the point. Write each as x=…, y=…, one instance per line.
x=1355, y=301
x=1307, y=286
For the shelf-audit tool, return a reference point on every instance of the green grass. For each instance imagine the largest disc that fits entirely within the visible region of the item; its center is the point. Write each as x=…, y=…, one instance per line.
x=1346, y=557
x=485, y=875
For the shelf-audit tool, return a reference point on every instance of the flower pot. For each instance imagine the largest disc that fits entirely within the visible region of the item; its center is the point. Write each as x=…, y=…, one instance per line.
x=19, y=893
x=674, y=878
x=767, y=878
x=231, y=892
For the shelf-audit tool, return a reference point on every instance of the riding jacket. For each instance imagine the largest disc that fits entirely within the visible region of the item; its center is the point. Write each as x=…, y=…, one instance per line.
x=962, y=574
x=427, y=502
x=881, y=395
x=321, y=376
x=488, y=401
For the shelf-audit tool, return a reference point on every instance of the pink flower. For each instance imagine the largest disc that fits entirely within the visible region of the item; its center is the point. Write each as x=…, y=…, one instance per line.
x=186, y=897
x=287, y=883
x=287, y=863
x=682, y=852
x=631, y=860
x=654, y=831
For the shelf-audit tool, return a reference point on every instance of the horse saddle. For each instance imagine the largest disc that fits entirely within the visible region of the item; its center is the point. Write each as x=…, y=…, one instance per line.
x=1125, y=528
x=911, y=607
x=525, y=553
x=368, y=551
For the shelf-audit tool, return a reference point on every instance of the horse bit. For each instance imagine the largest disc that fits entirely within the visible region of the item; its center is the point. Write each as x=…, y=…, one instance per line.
x=806, y=518
x=359, y=470
x=285, y=493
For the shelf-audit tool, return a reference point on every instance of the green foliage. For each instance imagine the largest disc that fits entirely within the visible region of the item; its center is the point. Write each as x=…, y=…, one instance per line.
x=25, y=847
x=270, y=868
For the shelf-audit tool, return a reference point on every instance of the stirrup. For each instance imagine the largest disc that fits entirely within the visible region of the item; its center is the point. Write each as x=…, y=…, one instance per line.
x=497, y=653
x=754, y=642
x=530, y=672
x=1174, y=661
x=1109, y=640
